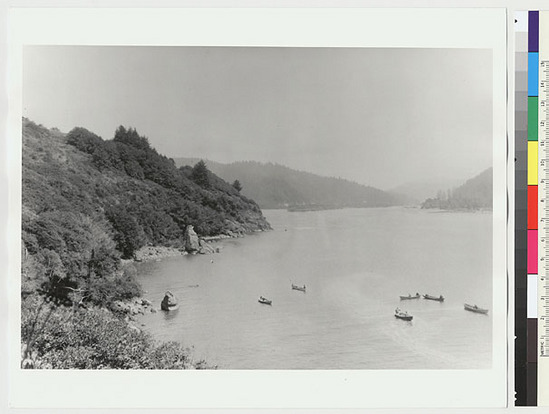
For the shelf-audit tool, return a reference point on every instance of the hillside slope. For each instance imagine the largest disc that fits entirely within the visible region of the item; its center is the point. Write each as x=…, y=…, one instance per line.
x=87, y=202
x=276, y=186
x=474, y=194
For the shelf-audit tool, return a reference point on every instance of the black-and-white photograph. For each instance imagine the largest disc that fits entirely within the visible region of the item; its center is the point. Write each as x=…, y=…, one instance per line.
x=256, y=208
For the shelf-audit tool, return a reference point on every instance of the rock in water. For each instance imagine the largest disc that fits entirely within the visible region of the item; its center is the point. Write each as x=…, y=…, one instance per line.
x=169, y=302
x=205, y=248
x=192, y=244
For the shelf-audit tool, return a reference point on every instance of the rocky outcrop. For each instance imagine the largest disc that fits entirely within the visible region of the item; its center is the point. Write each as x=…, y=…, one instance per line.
x=133, y=307
x=169, y=302
x=206, y=248
x=150, y=253
x=192, y=243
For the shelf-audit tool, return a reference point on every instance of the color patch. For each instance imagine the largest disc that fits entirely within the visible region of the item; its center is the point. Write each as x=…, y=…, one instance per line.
x=532, y=162
x=532, y=118
x=533, y=73
x=533, y=31
x=532, y=207
x=532, y=252
x=532, y=349
x=532, y=295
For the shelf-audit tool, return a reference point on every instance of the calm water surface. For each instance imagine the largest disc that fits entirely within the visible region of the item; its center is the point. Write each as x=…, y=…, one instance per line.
x=355, y=264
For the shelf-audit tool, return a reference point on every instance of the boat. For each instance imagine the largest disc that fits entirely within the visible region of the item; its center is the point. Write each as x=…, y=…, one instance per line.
x=265, y=301
x=300, y=288
x=416, y=296
x=437, y=298
x=475, y=308
x=403, y=315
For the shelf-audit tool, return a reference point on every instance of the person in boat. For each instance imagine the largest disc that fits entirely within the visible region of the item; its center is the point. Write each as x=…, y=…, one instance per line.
x=417, y=294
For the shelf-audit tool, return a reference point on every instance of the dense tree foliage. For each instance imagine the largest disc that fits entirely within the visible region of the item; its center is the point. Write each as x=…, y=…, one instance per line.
x=200, y=174
x=129, y=235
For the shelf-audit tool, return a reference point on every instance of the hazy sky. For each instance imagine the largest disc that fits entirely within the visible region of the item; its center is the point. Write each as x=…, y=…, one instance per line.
x=381, y=117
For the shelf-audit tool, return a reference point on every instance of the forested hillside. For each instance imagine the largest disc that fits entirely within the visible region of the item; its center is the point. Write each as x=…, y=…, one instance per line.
x=474, y=194
x=416, y=192
x=87, y=203
x=276, y=186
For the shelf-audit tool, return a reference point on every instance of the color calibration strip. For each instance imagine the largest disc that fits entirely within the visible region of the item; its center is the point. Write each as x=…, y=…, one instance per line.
x=532, y=284
x=542, y=123
x=532, y=208
x=523, y=371
x=532, y=152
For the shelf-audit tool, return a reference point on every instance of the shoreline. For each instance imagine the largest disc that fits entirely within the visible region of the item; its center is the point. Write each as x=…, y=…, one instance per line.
x=140, y=305
x=156, y=253
x=205, y=243
x=460, y=210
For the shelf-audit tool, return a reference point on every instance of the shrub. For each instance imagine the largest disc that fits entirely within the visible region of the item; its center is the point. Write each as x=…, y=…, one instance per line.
x=65, y=338
x=84, y=140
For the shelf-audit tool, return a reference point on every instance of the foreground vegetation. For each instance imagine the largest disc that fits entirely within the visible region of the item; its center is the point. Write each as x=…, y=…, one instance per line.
x=75, y=338
x=87, y=204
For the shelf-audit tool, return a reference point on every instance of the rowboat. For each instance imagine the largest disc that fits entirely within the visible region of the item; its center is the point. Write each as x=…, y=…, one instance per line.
x=437, y=298
x=416, y=296
x=265, y=301
x=403, y=315
x=300, y=288
x=475, y=308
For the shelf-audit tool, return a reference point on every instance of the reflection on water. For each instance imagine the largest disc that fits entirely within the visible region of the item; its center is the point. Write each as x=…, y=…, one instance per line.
x=355, y=264
x=170, y=315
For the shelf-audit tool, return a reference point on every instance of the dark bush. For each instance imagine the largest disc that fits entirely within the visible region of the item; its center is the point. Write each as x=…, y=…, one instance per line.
x=131, y=138
x=84, y=140
x=200, y=174
x=129, y=235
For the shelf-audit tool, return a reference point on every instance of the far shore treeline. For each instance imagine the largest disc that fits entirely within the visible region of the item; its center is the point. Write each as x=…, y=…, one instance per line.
x=474, y=194
x=87, y=204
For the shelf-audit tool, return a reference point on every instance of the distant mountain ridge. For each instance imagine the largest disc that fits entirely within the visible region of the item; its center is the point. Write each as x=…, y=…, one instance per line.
x=276, y=186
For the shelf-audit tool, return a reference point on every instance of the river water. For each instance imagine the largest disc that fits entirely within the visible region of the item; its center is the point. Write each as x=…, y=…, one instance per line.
x=355, y=264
